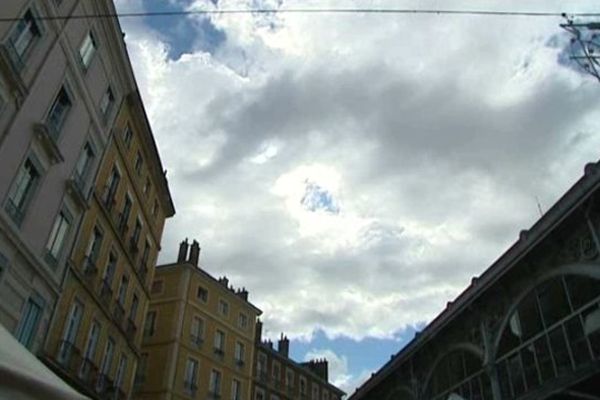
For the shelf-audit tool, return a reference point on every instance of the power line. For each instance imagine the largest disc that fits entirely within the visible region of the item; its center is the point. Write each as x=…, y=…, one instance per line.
x=313, y=11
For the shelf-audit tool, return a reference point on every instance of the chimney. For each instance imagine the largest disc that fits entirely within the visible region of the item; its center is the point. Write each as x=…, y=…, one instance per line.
x=283, y=346
x=319, y=367
x=258, y=331
x=183, y=249
x=195, y=253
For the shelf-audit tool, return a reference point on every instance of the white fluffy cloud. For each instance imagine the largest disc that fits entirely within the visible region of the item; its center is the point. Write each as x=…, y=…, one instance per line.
x=355, y=171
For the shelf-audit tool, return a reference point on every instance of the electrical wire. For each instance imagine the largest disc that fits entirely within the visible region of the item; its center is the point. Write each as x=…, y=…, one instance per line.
x=313, y=11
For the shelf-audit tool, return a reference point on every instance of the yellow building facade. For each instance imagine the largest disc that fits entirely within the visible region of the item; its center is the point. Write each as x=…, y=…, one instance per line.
x=95, y=335
x=198, y=336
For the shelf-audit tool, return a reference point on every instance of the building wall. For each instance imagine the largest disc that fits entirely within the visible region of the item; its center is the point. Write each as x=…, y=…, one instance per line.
x=270, y=380
x=175, y=302
x=28, y=89
x=527, y=328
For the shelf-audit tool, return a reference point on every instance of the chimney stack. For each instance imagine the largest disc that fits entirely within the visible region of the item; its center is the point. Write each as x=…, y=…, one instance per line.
x=195, y=253
x=258, y=331
x=283, y=346
x=183, y=250
x=320, y=367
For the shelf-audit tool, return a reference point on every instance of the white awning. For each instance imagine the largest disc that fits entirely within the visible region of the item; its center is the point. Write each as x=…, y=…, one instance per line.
x=24, y=377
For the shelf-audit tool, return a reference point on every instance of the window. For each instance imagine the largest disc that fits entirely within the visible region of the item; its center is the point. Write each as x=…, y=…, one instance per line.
x=109, y=273
x=315, y=392
x=325, y=394
x=139, y=163
x=197, y=330
x=123, y=290
x=107, y=102
x=262, y=365
x=236, y=390
x=29, y=321
x=239, y=353
x=150, y=323
x=58, y=235
x=3, y=264
x=90, y=350
x=134, y=307
x=127, y=136
x=58, y=113
x=259, y=394
x=214, y=385
x=146, y=253
x=124, y=217
x=302, y=385
x=289, y=378
x=276, y=371
x=155, y=209
x=191, y=376
x=223, y=308
x=106, y=364
x=67, y=345
x=219, y=342
x=22, y=190
x=147, y=186
x=243, y=321
x=87, y=50
x=140, y=373
x=84, y=165
x=121, y=371
x=23, y=36
x=135, y=237
x=111, y=188
x=157, y=287
x=202, y=294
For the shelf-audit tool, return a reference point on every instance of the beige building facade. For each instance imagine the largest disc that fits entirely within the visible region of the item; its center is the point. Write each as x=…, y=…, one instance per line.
x=198, y=337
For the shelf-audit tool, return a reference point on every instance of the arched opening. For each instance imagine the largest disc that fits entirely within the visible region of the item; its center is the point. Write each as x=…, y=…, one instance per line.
x=553, y=331
x=459, y=375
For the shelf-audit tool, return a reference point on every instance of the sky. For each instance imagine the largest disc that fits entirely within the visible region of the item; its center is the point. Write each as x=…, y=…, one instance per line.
x=354, y=172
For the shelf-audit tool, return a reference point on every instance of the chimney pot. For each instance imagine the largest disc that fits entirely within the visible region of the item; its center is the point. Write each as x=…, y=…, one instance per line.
x=183, y=250
x=194, y=253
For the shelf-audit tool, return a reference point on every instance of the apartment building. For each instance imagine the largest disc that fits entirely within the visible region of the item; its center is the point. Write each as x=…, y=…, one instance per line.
x=198, y=337
x=60, y=85
x=278, y=377
x=95, y=337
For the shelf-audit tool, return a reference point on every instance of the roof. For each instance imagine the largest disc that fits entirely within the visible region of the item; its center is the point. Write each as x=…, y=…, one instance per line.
x=528, y=239
x=205, y=274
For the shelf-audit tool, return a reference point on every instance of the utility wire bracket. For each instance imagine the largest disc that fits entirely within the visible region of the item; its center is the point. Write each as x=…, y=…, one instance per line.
x=584, y=44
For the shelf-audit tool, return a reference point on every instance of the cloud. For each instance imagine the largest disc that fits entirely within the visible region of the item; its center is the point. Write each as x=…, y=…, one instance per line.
x=354, y=172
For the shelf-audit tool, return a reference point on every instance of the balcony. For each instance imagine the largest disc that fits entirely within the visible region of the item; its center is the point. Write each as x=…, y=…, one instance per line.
x=219, y=352
x=103, y=384
x=106, y=292
x=122, y=226
x=76, y=190
x=196, y=340
x=131, y=329
x=118, y=313
x=142, y=272
x=88, y=373
x=47, y=134
x=13, y=64
x=133, y=246
x=190, y=388
x=89, y=267
x=68, y=356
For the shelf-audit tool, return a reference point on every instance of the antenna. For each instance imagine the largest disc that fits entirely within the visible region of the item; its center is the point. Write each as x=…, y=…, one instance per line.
x=539, y=206
x=585, y=44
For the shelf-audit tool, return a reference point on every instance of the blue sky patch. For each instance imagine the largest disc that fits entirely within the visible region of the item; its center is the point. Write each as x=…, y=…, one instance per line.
x=184, y=35
x=367, y=354
x=317, y=198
